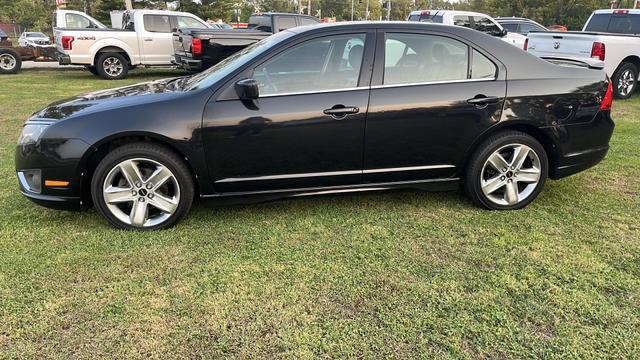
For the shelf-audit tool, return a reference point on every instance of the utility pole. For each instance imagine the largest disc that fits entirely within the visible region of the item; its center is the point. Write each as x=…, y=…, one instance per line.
x=308, y=7
x=128, y=4
x=389, y=10
x=352, y=10
x=366, y=12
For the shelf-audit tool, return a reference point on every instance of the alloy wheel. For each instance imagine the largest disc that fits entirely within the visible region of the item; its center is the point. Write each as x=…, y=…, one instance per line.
x=7, y=62
x=112, y=66
x=510, y=174
x=141, y=192
x=626, y=82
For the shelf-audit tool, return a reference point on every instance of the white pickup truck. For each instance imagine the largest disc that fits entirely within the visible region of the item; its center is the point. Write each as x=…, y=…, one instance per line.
x=145, y=39
x=609, y=36
x=473, y=20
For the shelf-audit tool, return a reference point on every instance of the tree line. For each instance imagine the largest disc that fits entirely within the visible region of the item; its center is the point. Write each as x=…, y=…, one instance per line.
x=36, y=14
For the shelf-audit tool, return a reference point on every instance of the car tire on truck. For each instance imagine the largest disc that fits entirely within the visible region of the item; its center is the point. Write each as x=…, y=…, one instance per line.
x=10, y=61
x=112, y=66
x=625, y=80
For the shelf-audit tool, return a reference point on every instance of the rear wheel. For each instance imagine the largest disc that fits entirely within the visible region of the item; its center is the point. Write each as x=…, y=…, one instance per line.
x=507, y=172
x=112, y=66
x=625, y=80
x=10, y=61
x=142, y=186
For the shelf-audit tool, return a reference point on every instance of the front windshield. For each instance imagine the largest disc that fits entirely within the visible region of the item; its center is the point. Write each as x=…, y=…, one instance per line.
x=36, y=35
x=225, y=67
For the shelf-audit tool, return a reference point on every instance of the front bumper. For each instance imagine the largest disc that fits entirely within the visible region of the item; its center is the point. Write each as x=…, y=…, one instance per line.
x=57, y=160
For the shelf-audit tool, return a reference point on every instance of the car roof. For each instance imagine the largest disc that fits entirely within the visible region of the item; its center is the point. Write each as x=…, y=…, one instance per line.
x=279, y=13
x=611, y=11
x=454, y=12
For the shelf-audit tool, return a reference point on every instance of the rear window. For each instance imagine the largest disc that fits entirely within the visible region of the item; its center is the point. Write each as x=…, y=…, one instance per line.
x=614, y=23
x=426, y=18
x=157, y=23
x=285, y=22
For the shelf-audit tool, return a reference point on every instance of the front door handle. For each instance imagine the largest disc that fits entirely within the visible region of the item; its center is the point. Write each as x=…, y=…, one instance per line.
x=148, y=39
x=483, y=100
x=341, y=110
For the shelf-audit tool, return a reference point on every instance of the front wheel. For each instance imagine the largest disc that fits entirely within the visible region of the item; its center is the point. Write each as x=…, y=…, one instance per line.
x=112, y=66
x=625, y=80
x=142, y=186
x=507, y=172
x=10, y=61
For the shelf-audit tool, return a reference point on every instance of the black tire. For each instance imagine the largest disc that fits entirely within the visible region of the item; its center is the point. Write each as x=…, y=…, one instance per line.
x=504, y=140
x=112, y=73
x=11, y=61
x=156, y=153
x=625, y=76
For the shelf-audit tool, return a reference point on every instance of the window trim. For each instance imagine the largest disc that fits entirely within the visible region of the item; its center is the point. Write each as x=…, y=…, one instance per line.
x=439, y=82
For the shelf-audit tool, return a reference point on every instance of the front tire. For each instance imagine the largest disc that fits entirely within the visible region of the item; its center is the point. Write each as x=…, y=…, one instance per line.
x=625, y=80
x=112, y=66
x=507, y=171
x=142, y=186
x=10, y=61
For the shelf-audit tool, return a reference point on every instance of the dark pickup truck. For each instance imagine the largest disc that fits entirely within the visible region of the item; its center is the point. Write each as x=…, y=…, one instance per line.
x=199, y=49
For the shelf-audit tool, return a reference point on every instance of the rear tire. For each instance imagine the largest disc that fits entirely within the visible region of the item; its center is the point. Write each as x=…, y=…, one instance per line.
x=625, y=81
x=112, y=66
x=507, y=171
x=142, y=186
x=10, y=61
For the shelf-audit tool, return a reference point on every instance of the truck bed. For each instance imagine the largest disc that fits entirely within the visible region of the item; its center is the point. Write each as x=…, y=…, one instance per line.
x=217, y=44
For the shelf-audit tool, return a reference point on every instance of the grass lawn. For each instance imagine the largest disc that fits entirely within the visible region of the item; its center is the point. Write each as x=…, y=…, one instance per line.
x=397, y=274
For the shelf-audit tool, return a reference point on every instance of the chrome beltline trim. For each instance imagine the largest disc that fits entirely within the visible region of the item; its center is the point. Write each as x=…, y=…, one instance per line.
x=334, y=173
x=315, y=92
x=431, y=83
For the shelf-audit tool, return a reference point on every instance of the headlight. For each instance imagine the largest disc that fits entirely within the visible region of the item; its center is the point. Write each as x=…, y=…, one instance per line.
x=32, y=131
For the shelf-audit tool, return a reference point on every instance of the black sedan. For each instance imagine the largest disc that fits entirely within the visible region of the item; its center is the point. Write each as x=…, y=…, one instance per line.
x=315, y=110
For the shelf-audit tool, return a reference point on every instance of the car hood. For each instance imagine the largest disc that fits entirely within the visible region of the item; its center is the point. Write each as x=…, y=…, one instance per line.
x=146, y=92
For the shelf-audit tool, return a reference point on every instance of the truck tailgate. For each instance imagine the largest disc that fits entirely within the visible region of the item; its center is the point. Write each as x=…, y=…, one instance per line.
x=561, y=44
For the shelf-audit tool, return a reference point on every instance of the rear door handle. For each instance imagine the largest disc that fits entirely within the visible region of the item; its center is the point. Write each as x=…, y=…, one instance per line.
x=340, y=110
x=483, y=100
x=148, y=39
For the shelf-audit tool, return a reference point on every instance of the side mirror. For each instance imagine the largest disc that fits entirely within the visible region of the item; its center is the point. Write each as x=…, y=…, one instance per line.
x=173, y=30
x=504, y=33
x=247, y=89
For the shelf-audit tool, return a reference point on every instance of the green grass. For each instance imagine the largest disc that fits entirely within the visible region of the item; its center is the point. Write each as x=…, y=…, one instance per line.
x=398, y=274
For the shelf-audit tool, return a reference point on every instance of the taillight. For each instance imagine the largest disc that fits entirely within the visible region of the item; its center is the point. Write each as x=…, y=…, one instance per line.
x=598, y=51
x=67, y=42
x=196, y=46
x=526, y=44
x=607, y=100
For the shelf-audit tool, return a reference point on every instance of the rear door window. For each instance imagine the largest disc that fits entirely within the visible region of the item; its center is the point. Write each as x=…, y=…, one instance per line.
x=462, y=20
x=285, y=22
x=157, y=23
x=485, y=25
x=78, y=21
x=189, y=22
x=511, y=27
x=527, y=28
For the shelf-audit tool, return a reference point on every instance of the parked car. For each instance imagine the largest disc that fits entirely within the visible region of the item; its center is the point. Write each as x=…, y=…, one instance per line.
x=477, y=21
x=33, y=39
x=608, y=35
x=146, y=39
x=198, y=49
x=72, y=19
x=323, y=109
x=520, y=25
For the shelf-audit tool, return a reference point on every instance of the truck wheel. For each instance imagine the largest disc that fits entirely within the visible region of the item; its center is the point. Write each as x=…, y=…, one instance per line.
x=625, y=80
x=112, y=66
x=10, y=61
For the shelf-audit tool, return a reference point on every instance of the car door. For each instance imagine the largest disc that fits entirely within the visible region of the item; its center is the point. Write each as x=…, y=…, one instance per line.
x=305, y=130
x=431, y=96
x=156, y=39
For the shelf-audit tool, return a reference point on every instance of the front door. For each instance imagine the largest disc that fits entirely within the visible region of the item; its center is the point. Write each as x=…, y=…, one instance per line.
x=306, y=129
x=431, y=97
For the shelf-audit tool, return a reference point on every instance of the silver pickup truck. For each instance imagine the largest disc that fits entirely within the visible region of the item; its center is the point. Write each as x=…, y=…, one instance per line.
x=609, y=36
x=145, y=39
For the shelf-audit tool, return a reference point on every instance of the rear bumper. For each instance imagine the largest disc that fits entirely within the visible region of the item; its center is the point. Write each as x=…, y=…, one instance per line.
x=188, y=63
x=577, y=162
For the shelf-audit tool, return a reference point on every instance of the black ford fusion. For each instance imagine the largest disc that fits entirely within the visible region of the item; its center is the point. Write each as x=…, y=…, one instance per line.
x=335, y=108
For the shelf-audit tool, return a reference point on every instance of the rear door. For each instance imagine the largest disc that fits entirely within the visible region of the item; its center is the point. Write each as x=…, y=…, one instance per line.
x=431, y=96
x=156, y=39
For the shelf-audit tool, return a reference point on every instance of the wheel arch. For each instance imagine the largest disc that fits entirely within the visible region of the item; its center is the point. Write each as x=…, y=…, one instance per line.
x=99, y=150
x=543, y=138
x=633, y=59
x=111, y=48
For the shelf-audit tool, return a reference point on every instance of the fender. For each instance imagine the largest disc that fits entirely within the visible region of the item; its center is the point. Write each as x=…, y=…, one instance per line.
x=112, y=42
